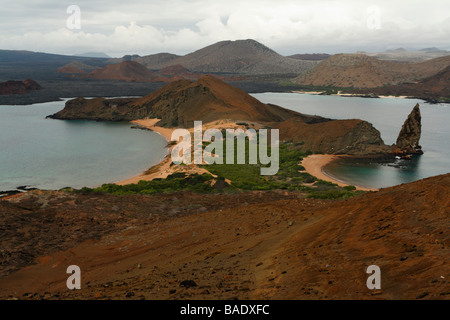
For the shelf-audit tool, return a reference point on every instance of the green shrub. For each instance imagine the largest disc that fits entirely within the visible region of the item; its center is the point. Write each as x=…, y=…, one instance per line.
x=290, y=176
x=324, y=183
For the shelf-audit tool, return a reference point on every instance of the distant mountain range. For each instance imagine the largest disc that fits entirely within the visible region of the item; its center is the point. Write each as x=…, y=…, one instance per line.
x=93, y=55
x=434, y=88
x=242, y=57
x=132, y=71
x=241, y=60
x=362, y=71
x=247, y=57
x=403, y=55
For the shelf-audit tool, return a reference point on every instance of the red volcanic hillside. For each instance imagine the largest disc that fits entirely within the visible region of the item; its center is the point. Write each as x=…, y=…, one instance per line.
x=127, y=70
x=362, y=71
x=436, y=86
x=249, y=245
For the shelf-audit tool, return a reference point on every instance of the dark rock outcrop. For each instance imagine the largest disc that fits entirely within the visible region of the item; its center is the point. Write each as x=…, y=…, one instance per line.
x=99, y=109
x=19, y=87
x=409, y=136
x=355, y=137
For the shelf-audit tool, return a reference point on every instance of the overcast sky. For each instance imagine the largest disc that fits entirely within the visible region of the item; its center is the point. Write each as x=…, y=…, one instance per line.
x=182, y=26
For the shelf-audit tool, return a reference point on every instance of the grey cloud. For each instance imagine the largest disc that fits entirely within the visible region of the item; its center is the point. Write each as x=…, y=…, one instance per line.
x=180, y=26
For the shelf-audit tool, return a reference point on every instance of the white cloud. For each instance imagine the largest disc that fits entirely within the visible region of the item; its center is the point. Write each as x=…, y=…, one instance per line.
x=179, y=26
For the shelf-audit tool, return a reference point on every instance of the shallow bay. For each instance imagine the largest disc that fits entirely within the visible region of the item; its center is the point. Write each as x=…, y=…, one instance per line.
x=52, y=154
x=387, y=115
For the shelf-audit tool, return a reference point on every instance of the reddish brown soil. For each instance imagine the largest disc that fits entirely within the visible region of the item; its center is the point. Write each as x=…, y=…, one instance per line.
x=209, y=99
x=262, y=245
x=127, y=70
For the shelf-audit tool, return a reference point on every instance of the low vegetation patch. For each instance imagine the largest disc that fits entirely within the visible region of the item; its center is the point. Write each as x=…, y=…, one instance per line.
x=244, y=177
x=175, y=182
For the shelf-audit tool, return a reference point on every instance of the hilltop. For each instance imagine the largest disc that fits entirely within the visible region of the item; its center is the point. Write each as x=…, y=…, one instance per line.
x=19, y=87
x=362, y=71
x=178, y=104
x=239, y=57
x=434, y=88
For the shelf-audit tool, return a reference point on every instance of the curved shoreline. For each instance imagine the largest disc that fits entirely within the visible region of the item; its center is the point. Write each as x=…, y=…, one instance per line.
x=160, y=170
x=164, y=168
x=314, y=165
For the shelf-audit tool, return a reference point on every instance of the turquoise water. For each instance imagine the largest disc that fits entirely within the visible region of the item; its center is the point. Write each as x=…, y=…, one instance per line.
x=387, y=115
x=52, y=154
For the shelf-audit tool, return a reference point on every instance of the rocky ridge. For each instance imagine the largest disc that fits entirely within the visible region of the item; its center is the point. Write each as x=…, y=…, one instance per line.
x=362, y=71
x=19, y=87
x=209, y=99
x=409, y=136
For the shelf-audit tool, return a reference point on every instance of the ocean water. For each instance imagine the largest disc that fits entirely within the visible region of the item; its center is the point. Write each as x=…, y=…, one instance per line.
x=388, y=116
x=52, y=154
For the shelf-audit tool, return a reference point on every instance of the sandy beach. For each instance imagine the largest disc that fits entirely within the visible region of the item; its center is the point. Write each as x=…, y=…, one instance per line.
x=315, y=163
x=164, y=168
x=340, y=94
x=161, y=170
